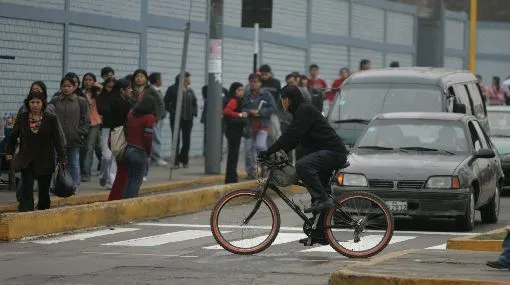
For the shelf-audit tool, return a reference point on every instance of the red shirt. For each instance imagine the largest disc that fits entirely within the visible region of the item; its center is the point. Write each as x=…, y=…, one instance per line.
x=230, y=109
x=139, y=130
x=317, y=83
x=330, y=96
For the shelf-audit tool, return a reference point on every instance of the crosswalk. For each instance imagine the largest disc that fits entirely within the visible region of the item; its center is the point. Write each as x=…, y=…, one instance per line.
x=199, y=236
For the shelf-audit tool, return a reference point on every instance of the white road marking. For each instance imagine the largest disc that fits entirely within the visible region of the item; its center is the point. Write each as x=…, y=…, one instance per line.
x=83, y=236
x=163, y=238
x=441, y=246
x=281, y=238
x=296, y=229
x=373, y=240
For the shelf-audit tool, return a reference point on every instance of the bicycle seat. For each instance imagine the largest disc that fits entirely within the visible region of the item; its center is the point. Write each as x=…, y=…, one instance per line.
x=345, y=165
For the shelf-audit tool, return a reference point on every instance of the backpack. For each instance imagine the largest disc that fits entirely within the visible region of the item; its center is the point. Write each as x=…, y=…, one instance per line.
x=118, y=141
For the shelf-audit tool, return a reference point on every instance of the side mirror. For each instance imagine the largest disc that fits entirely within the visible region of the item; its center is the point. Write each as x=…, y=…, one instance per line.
x=459, y=108
x=485, y=153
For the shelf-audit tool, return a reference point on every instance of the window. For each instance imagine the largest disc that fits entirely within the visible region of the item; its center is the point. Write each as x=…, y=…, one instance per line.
x=463, y=97
x=481, y=135
x=478, y=143
x=478, y=106
x=499, y=123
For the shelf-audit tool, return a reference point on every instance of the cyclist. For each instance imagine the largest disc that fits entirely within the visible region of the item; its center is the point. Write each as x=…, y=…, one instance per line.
x=324, y=151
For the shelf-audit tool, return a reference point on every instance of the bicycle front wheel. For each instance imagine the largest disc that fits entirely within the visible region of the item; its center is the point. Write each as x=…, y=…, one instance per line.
x=361, y=225
x=234, y=233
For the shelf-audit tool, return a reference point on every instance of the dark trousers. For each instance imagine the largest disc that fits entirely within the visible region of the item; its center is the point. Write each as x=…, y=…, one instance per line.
x=315, y=170
x=26, y=201
x=185, y=126
x=234, y=134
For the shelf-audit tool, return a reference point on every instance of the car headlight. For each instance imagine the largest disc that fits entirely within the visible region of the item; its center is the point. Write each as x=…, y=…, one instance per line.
x=347, y=179
x=443, y=182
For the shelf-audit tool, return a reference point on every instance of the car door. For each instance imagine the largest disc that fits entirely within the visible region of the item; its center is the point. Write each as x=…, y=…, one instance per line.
x=479, y=108
x=495, y=163
x=486, y=167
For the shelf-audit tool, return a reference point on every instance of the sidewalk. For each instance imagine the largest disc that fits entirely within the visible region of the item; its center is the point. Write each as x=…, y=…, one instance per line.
x=424, y=267
x=157, y=175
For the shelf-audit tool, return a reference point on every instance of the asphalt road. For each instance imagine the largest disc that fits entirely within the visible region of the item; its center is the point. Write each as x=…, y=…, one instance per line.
x=181, y=250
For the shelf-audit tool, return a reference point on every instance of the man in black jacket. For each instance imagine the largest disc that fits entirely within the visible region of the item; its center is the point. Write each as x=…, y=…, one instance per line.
x=324, y=149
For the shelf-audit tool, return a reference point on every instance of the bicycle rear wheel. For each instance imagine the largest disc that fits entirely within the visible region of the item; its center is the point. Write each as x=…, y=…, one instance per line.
x=232, y=232
x=361, y=225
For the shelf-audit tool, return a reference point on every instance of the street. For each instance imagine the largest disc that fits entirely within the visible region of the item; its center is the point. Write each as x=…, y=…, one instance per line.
x=181, y=250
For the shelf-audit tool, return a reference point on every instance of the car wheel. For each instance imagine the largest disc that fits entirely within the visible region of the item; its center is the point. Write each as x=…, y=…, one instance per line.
x=490, y=212
x=466, y=222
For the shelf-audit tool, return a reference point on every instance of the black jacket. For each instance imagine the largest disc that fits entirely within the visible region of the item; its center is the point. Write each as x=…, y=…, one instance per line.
x=310, y=130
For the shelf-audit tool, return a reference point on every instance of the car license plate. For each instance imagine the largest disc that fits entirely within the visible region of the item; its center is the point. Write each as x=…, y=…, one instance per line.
x=397, y=206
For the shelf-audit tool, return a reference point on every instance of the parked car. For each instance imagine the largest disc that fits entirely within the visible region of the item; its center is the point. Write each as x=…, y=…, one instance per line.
x=499, y=122
x=427, y=165
x=415, y=89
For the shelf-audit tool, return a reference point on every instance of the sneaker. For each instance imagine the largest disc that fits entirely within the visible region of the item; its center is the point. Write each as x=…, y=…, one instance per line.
x=321, y=241
x=185, y=166
x=144, y=178
x=108, y=186
x=85, y=179
x=102, y=181
x=497, y=265
x=161, y=162
x=318, y=206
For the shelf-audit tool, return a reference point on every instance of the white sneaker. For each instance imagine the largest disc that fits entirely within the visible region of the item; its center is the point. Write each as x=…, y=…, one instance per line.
x=144, y=178
x=161, y=162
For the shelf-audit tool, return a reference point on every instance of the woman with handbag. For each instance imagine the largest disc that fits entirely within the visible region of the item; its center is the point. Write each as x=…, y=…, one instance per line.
x=235, y=121
x=39, y=134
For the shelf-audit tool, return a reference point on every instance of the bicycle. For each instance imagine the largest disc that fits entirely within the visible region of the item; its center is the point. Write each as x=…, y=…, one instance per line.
x=337, y=220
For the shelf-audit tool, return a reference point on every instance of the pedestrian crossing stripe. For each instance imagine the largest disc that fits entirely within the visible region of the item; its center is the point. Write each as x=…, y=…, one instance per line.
x=281, y=238
x=162, y=239
x=351, y=245
x=83, y=236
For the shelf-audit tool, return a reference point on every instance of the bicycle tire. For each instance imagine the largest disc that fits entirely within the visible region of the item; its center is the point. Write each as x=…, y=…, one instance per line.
x=275, y=227
x=364, y=254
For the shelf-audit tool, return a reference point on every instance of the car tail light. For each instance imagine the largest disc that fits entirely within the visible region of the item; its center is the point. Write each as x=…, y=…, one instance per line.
x=340, y=178
x=455, y=182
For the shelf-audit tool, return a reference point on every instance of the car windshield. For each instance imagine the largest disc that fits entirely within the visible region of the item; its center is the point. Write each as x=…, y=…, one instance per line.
x=415, y=135
x=364, y=101
x=499, y=123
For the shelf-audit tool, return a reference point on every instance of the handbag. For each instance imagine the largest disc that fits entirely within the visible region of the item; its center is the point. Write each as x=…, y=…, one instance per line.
x=63, y=184
x=118, y=141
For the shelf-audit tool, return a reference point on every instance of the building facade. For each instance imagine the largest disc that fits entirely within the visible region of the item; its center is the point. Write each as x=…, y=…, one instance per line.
x=52, y=37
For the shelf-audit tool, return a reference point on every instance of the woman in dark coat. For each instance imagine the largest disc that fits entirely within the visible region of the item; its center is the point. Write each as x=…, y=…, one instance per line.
x=235, y=121
x=39, y=134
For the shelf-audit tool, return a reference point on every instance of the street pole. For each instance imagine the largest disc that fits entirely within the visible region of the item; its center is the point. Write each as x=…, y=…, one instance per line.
x=214, y=90
x=255, y=46
x=472, y=35
x=178, y=106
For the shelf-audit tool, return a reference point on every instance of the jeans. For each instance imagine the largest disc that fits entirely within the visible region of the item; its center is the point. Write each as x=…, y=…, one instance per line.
x=315, y=170
x=73, y=162
x=87, y=152
x=108, y=163
x=156, y=141
x=252, y=146
x=504, y=258
x=136, y=160
x=26, y=195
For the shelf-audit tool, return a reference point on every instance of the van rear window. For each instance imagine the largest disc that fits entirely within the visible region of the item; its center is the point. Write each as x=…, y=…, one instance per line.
x=364, y=101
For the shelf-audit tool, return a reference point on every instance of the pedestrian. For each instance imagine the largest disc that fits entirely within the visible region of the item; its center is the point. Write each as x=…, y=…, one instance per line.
x=189, y=110
x=106, y=109
x=337, y=83
x=496, y=93
x=503, y=261
x=317, y=87
x=120, y=101
x=364, y=64
x=38, y=132
x=107, y=73
x=74, y=115
x=235, y=121
x=156, y=82
x=140, y=124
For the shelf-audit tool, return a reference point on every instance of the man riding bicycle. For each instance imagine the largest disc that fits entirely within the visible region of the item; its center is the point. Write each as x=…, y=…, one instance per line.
x=324, y=151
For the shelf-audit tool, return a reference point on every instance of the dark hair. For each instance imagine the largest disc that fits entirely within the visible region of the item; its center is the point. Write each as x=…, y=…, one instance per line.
x=105, y=92
x=128, y=77
x=498, y=81
x=313, y=66
x=140, y=71
x=344, y=68
x=233, y=88
x=295, y=96
x=147, y=105
x=254, y=76
x=363, y=62
x=394, y=64
x=265, y=68
x=154, y=77
x=68, y=79
x=36, y=95
x=95, y=90
x=43, y=87
x=121, y=84
x=303, y=77
x=177, y=77
x=290, y=75
x=105, y=70
x=479, y=77
x=73, y=76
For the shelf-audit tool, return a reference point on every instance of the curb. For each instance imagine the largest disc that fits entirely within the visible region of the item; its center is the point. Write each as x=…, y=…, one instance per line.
x=470, y=243
x=344, y=276
x=27, y=224
x=102, y=196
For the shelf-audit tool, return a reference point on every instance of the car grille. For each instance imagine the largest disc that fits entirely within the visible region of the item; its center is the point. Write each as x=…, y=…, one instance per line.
x=403, y=184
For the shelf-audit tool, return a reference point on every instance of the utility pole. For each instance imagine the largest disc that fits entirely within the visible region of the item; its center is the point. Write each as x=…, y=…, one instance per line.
x=178, y=106
x=472, y=35
x=214, y=89
x=255, y=47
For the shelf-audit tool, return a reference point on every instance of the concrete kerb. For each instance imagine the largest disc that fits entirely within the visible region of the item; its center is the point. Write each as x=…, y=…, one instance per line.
x=18, y=225
x=474, y=244
x=103, y=196
x=346, y=276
